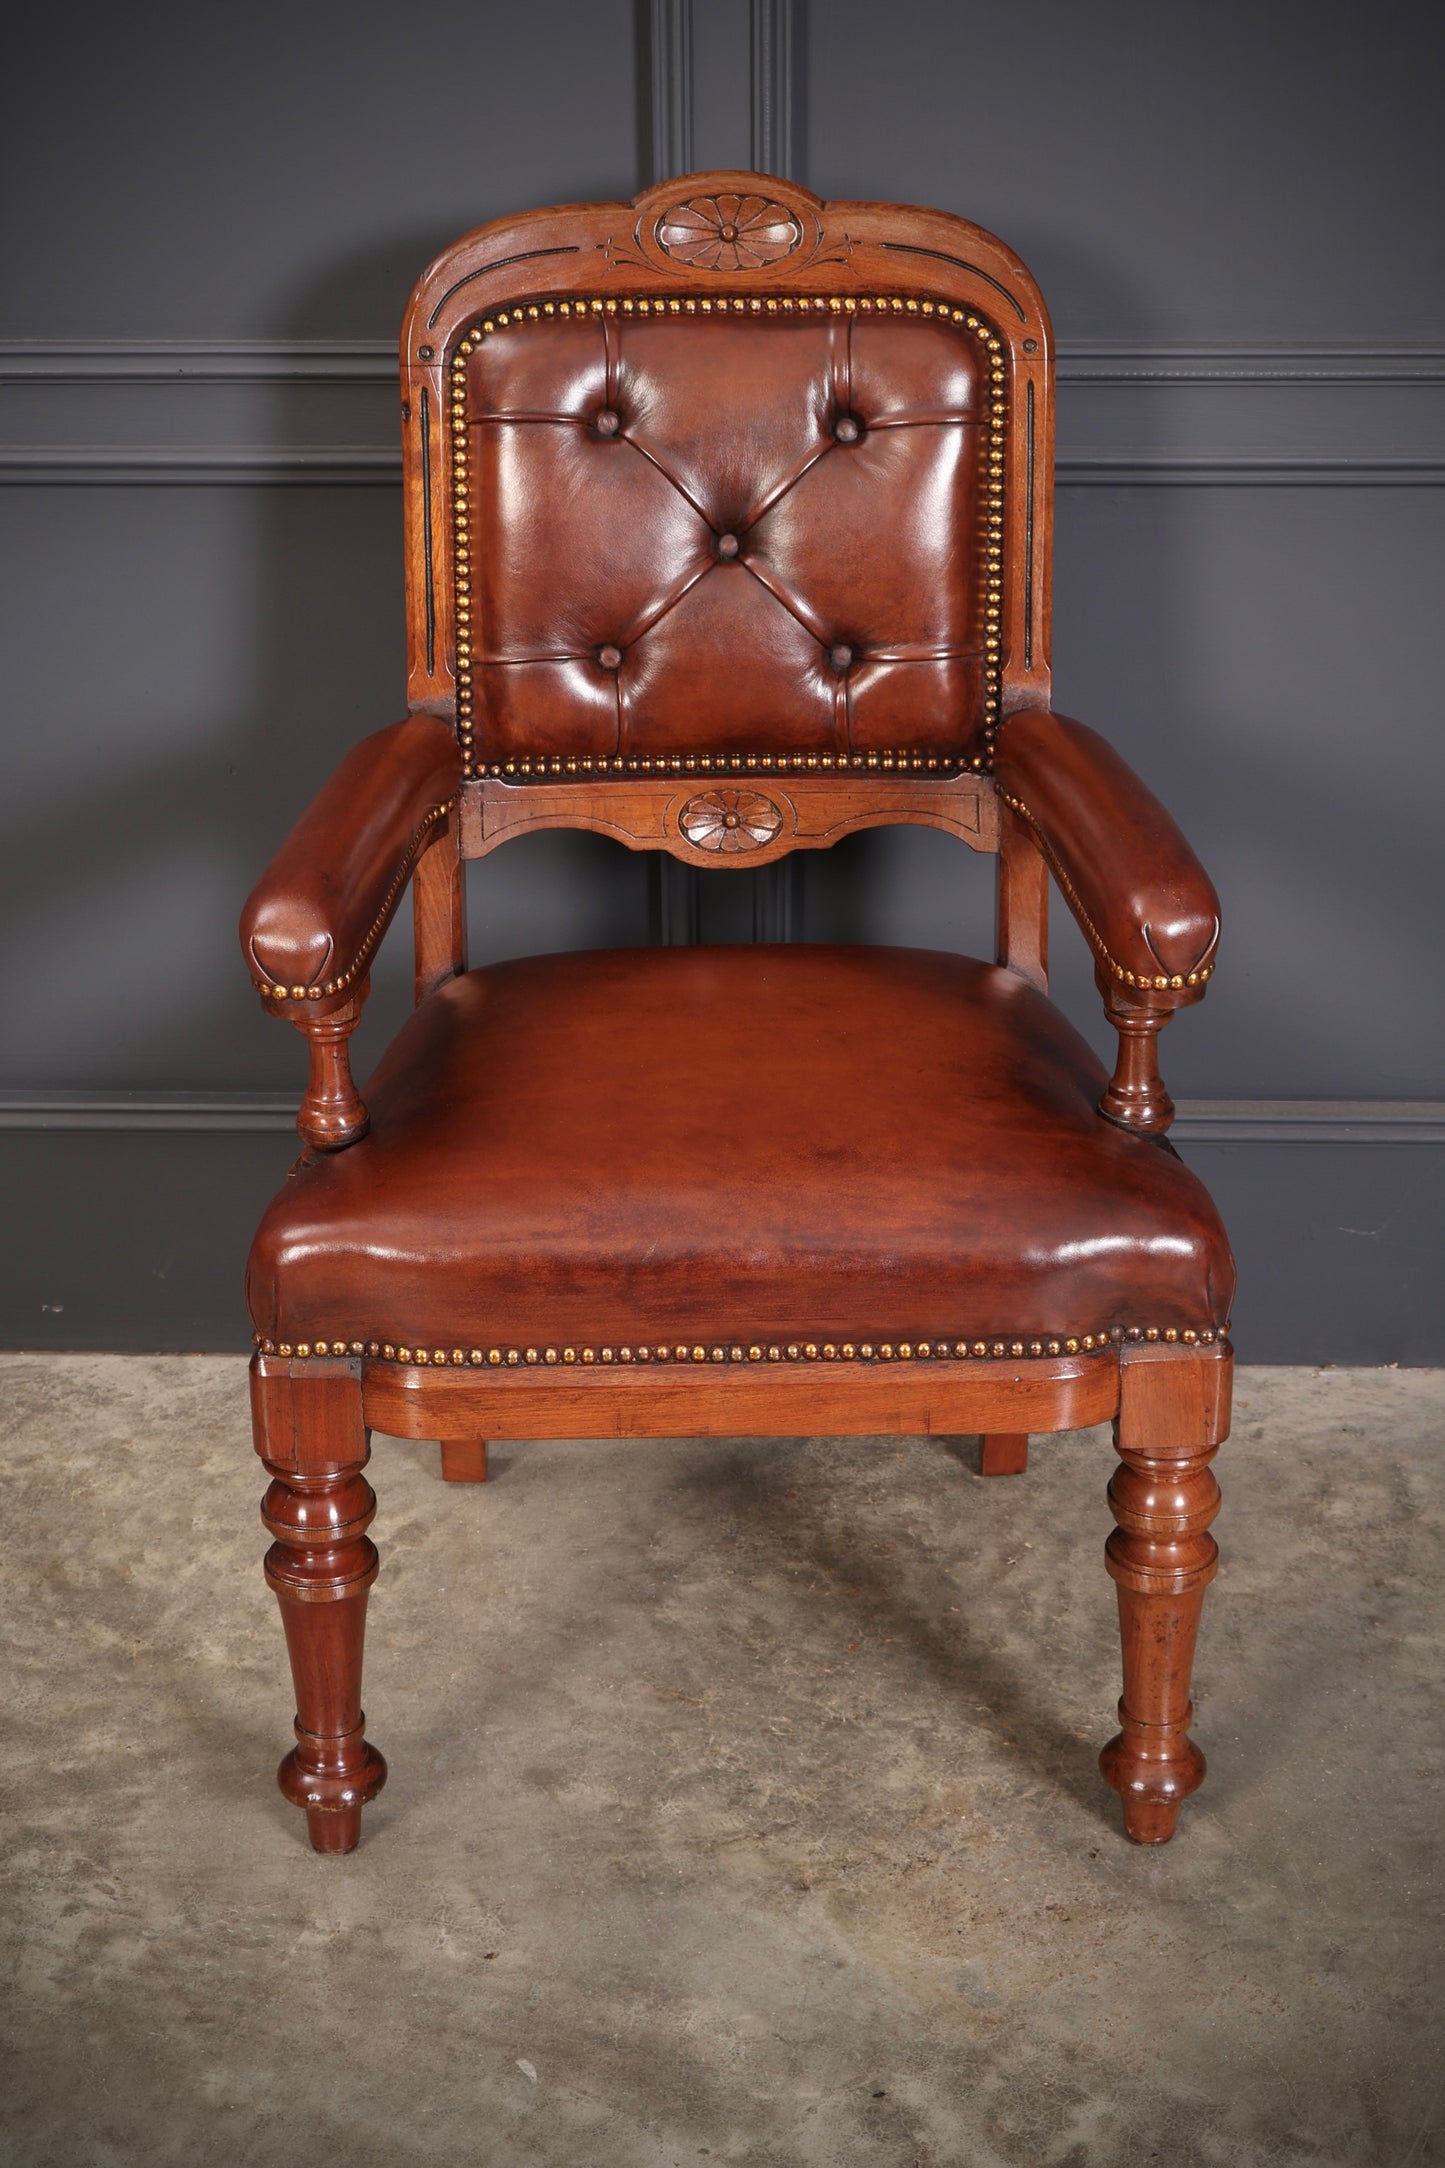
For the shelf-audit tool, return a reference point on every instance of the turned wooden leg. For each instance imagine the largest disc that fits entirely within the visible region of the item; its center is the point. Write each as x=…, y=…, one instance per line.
x=1005, y=1452
x=306, y=1417
x=464, y=1460
x=321, y=1566
x=1162, y=1558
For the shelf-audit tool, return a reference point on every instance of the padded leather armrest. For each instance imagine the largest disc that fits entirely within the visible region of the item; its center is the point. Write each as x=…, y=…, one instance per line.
x=1146, y=905
x=314, y=918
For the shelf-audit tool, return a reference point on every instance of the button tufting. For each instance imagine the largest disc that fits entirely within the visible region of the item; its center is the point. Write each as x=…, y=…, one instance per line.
x=911, y=573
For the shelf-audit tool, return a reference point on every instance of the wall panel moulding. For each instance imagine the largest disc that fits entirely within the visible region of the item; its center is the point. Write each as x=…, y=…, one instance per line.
x=136, y=412
x=1198, y=1121
x=242, y=361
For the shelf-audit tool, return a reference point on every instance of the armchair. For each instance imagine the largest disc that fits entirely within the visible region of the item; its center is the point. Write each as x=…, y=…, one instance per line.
x=728, y=534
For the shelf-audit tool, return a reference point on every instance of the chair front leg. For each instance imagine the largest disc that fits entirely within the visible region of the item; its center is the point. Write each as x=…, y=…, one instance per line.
x=1162, y=1558
x=321, y=1564
x=321, y=1567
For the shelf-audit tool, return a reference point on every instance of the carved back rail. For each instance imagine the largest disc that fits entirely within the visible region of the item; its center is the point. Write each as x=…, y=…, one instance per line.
x=737, y=247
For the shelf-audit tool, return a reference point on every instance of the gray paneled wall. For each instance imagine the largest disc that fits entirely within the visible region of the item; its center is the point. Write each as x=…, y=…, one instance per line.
x=211, y=235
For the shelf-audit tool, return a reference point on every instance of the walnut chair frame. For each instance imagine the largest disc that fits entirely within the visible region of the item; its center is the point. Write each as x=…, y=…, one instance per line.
x=415, y=803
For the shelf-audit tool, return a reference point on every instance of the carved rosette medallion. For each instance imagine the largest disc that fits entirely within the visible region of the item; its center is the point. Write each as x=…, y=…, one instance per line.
x=729, y=233
x=729, y=820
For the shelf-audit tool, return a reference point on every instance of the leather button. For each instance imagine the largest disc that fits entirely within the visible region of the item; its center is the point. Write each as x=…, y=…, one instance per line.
x=847, y=429
x=841, y=656
x=609, y=421
x=609, y=658
x=728, y=545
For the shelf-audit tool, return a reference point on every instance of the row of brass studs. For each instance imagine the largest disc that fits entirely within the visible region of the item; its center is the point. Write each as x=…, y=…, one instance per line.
x=866, y=1351
x=740, y=305
x=729, y=764
x=374, y=932
x=1161, y=982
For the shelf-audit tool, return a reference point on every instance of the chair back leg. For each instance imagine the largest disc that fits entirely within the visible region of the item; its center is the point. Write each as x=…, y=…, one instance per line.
x=464, y=1460
x=1004, y=1452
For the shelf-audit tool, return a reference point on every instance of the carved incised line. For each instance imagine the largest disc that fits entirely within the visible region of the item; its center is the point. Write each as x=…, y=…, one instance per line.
x=911, y=248
x=526, y=255
x=606, y=312
x=729, y=820
x=431, y=592
x=1108, y=1339
x=1029, y=527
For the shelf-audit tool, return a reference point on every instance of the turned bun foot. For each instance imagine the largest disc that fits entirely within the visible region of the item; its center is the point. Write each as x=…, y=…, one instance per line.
x=1150, y=1821
x=332, y=1779
x=1151, y=1791
x=333, y=1829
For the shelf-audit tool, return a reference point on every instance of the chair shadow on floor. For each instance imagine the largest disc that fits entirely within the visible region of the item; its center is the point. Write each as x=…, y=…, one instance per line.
x=976, y=1682
x=788, y=1526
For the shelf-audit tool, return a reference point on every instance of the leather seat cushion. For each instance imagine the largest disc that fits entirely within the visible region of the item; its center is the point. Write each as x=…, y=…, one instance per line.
x=750, y=1144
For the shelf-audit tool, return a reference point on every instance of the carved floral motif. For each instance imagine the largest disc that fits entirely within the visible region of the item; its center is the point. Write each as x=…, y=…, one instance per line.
x=729, y=820
x=729, y=233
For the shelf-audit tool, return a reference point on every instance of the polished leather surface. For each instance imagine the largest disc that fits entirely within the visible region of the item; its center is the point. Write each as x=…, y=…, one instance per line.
x=724, y=536
x=1144, y=898
x=810, y=1141
x=324, y=900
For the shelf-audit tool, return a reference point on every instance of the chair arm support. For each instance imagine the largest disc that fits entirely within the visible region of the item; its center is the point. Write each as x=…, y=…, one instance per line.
x=1144, y=903
x=313, y=921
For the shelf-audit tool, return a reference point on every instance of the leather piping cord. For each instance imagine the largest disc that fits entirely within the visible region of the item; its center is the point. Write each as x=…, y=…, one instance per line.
x=1161, y=982
x=839, y=312
x=272, y=990
x=1108, y=1339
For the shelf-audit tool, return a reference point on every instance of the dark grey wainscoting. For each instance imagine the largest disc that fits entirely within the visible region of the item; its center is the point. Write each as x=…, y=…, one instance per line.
x=200, y=534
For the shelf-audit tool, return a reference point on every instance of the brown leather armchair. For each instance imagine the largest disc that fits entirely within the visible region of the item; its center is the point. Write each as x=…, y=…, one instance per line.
x=728, y=534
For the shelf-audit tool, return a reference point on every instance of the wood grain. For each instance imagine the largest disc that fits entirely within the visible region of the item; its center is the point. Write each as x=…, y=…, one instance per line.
x=1173, y=1414
x=644, y=812
x=439, y=910
x=464, y=1460
x=951, y=1399
x=1022, y=937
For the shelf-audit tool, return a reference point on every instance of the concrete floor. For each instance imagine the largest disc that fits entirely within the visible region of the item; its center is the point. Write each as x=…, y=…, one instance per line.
x=743, y=1805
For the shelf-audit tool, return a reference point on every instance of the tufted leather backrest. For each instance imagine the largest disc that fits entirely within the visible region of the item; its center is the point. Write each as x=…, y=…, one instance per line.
x=727, y=525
